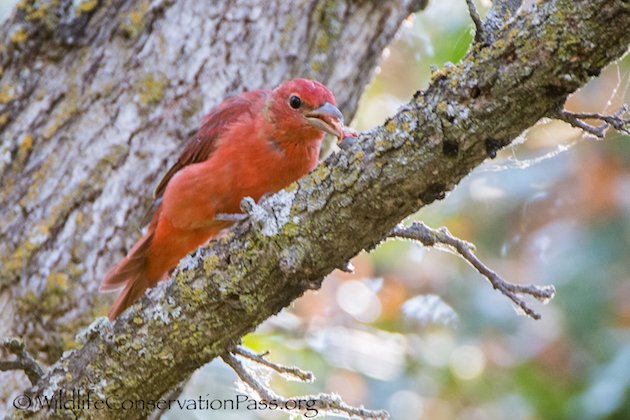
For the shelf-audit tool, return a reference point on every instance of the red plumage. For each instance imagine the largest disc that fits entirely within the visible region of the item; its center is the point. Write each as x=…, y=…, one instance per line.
x=250, y=145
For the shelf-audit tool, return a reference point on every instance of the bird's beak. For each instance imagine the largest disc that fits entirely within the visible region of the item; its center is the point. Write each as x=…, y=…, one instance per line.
x=327, y=118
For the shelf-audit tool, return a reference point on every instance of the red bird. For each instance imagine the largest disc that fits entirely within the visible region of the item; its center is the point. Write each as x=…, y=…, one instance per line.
x=250, y=145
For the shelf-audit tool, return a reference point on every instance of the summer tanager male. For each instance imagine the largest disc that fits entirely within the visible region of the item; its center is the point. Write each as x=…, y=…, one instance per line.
x=250, y=145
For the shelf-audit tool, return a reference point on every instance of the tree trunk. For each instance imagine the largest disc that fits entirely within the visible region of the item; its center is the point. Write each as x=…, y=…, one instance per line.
x=292, y=240
x=95, y=101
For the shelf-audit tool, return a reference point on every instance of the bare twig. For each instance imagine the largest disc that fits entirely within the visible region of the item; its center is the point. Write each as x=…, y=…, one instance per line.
x=24, y=361
x=248, y=379
x=420, y=232
x=474, y=15
x=323, y=403
x=615, y=121
x=287, y=371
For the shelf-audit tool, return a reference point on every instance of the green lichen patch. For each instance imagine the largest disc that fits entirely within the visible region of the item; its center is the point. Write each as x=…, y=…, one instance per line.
x=25, y=147
x=86, y=6
x=151, y=89
x=132, y=25
x=210, y=263
x=19, y=36
x=7, y=94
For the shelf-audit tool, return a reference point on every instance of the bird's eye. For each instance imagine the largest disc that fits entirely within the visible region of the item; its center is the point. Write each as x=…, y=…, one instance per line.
x=295, y=102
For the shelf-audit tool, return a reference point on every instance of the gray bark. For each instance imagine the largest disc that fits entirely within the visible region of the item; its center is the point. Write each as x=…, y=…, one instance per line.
x=347, y=204
x=95, y=101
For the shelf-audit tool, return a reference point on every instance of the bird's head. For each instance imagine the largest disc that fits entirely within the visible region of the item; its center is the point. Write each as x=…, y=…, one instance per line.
x=304, y=110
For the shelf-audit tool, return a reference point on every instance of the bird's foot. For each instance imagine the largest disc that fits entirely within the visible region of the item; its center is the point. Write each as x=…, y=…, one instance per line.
x=254, y=212
x=230, y=217
x=270, y=217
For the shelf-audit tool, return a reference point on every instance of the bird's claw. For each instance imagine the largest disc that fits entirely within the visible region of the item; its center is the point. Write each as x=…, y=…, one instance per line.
x=253, y=211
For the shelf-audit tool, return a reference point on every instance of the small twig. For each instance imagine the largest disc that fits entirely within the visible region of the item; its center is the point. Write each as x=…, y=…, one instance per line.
x=474, y=15
x=23, y=362
x=247, y=378
x=324, y=403
x=615, y=121
x=288, y=371
x=431, y=237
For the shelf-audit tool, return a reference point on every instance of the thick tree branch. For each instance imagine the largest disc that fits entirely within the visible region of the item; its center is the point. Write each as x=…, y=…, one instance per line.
x=348, y=203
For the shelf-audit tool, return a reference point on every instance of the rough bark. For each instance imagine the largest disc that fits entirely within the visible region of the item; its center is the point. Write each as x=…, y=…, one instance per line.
x=95, y=100
x=347, y=204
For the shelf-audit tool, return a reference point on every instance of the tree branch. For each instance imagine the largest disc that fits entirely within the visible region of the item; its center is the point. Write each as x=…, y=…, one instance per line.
x=474, y=15
x=349, y=202
x=24, y=360
x=288, y=372
x=616, y=121
x=420, y=232
x=323, y=403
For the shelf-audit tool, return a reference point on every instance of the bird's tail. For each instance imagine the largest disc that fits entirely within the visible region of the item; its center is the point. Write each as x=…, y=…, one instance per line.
x=132, y=273
x=151, y=258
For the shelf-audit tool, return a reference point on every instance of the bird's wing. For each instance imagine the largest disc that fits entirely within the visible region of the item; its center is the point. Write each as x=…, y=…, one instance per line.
x=201, y=146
